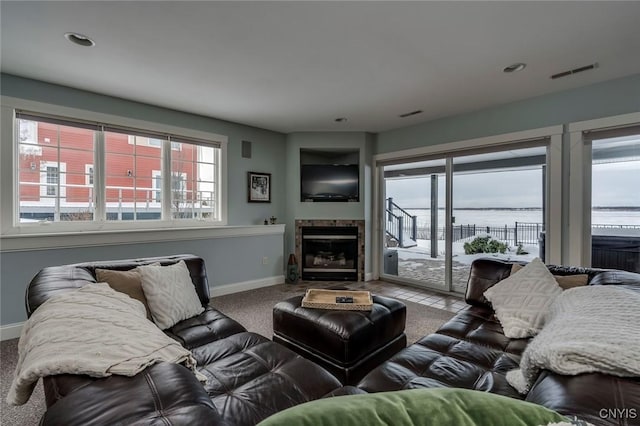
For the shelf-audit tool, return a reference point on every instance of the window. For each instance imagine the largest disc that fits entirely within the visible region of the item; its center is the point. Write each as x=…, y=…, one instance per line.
x=52, y=180
x=77, y=171
x=129, y=187
x=156, y=175
x=615, y=203
x=194, y=182
x=89, y=174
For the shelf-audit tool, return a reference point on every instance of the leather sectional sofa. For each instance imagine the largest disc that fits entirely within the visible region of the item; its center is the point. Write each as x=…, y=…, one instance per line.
x=251, y=377
x=471, y=351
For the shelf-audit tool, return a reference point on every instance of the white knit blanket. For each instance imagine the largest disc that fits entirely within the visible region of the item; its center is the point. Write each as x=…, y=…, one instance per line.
x=589, y=329
x=94, y=331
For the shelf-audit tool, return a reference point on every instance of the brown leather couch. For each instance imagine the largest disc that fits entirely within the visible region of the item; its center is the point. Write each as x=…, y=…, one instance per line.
x=249, y=376
x=470, y=351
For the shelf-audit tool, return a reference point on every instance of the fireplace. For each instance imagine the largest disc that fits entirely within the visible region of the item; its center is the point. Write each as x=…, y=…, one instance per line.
x=330, y=250
x=330, y=253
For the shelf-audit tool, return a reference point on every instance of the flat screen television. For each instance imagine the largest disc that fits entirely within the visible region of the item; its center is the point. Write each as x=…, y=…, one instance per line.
x=329, y=182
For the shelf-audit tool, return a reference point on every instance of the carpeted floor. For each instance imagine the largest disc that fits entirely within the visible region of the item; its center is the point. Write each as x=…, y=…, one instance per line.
x=253, y=309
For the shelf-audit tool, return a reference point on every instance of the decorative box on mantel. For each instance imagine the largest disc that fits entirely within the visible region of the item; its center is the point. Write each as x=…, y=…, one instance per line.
x=330, y=250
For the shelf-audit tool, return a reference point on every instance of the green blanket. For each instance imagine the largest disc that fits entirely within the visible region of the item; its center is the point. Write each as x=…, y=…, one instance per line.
x=442, y=407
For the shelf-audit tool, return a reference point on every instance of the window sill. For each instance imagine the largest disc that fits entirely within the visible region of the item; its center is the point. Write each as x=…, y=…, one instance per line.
x=46, y=241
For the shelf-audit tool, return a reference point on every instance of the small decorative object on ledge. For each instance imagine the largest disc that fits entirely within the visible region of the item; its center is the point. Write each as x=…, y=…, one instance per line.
x=292, y=270
x=343, y=300
x=272, y=220
x=266, y=222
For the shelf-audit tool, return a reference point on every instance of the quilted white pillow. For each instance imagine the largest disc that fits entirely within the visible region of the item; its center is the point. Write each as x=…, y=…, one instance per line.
x=170, y=293
x=521, y=301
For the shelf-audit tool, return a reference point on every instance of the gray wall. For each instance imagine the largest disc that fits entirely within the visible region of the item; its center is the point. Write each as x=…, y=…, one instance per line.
x=304, y=210
x=606, y=99
x=228, y=260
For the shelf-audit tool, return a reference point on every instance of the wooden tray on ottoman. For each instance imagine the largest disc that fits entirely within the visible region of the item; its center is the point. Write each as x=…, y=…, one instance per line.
x=326, y=299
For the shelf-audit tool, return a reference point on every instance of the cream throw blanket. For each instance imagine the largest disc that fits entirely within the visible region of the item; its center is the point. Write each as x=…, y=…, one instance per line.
x=94, y=330
x=589, y=329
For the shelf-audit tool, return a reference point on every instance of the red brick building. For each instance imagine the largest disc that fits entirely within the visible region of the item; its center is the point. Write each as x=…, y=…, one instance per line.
x=59, y=160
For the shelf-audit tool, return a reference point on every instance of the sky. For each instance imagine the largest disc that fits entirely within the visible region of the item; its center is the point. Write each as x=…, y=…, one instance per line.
x=614, y=184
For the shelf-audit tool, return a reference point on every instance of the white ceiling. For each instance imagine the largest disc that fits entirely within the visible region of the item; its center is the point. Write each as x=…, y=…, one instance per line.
x=296, y=66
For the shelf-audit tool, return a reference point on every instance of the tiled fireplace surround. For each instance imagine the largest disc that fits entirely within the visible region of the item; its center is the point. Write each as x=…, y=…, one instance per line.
x=300, y=223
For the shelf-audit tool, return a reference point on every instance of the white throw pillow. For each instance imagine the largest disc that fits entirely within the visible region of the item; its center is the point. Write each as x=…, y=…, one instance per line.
x=170, y=293
x=522, y=300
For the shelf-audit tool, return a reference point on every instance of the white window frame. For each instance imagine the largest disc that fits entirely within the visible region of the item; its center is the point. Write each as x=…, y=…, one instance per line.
x=580, y=183
x=10, y=225
x=62, y=180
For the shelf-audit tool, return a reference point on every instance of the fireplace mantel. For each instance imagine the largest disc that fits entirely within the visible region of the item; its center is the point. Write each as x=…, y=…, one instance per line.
x=300, y=223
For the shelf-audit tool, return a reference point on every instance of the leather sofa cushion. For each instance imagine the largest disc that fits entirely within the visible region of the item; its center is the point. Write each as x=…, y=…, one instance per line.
x=486, y=272
x=57, y=279
x=343, y=336
x=469, y=351
x=209, y=326
x=160, y=395
x=251, y=377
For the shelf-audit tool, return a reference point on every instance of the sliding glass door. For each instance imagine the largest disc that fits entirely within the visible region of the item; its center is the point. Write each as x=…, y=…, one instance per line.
x=493, y=207
x=497, y=208
x=414, y=223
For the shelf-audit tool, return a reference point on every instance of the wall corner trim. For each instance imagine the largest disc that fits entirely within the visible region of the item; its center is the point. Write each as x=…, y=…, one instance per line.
x=224, y=289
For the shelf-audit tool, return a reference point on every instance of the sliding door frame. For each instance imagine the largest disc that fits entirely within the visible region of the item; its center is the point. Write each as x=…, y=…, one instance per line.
x=447, y=151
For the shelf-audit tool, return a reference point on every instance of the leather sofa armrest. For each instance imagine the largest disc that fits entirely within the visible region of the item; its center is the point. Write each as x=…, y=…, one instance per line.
x=484, y=274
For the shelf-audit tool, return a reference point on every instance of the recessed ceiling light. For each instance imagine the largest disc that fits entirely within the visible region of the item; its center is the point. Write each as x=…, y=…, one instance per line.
x=515, y=67
x=340, y=119
x=79, y=39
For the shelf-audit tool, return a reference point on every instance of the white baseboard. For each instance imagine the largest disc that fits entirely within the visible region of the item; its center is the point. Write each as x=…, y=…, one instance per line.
x=221, y=290
x=11, y=331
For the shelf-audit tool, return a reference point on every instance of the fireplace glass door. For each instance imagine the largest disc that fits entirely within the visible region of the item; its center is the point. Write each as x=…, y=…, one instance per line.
x=329, y=253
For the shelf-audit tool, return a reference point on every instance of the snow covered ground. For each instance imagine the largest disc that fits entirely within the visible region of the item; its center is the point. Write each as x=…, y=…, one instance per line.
x=423, y=251
x=416, y=263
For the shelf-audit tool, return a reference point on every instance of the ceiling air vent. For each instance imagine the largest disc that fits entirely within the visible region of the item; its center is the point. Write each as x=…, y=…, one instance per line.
x=575, y=71
x=409, y=114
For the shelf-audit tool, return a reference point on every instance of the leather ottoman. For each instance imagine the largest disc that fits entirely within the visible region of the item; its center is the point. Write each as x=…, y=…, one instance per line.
x=347, y=343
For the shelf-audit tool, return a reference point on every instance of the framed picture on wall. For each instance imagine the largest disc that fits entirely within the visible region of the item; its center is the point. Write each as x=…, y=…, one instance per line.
x=259, y=187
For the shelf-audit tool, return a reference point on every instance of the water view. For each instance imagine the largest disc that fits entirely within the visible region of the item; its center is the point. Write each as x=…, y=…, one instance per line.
x=506, y=216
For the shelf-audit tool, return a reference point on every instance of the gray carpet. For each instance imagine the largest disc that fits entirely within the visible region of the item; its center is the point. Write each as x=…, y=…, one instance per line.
x=251, y=308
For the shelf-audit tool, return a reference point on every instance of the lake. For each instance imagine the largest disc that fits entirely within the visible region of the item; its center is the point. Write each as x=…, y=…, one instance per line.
x=502, y=217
